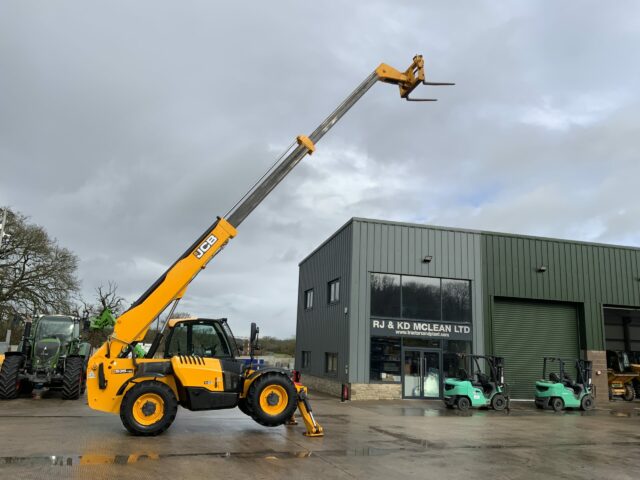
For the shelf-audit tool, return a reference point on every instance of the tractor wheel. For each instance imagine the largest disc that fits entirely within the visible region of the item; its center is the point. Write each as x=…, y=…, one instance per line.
x=463, y=403
x=148, y=409
x=243, y=406
x=629, y=394
x=498, y=402
x=557, y=404
x=272, y=399
x=587, y=403
x=10, y=377
x=73, y=378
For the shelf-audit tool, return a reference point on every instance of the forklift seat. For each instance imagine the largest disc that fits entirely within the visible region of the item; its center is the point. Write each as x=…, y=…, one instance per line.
x=553, y=376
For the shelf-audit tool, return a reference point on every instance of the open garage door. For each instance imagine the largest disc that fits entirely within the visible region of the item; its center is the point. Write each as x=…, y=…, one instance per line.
x=525, y=331
x=622, y=329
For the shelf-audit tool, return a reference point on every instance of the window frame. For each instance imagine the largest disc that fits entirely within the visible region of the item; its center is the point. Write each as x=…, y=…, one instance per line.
x=330, y=291
x=308, y=295
x=305, y=359
x=327, y=356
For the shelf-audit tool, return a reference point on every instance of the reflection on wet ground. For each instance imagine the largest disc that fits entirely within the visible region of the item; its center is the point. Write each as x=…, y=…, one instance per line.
x=74, y=460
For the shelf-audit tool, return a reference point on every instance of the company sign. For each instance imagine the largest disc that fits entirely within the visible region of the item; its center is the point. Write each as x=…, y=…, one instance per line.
x=418, y=328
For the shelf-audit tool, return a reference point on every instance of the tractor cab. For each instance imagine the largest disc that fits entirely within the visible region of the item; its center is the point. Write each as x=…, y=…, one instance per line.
x=558, y=390
x=474, y=387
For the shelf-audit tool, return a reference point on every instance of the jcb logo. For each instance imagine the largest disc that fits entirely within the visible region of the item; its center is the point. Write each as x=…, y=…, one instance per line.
x=204, y=246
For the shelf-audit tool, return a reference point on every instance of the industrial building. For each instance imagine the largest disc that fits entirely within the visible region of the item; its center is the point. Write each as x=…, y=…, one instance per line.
x=384, y=307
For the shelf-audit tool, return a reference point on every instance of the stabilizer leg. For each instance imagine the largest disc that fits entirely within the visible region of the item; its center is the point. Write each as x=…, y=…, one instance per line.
x=313, y=428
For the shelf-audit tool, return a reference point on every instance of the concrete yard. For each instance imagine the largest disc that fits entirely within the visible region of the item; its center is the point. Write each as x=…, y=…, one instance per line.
x=53, y=438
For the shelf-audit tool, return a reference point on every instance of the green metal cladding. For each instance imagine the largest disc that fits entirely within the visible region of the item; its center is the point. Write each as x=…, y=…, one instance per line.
x=589, y=275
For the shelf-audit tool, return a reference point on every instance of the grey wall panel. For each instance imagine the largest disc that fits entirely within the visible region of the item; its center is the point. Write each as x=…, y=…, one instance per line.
x=399, y=248
x=325, y=328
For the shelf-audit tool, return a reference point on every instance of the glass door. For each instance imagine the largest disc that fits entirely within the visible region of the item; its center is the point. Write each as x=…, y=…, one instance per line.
x=421, y=373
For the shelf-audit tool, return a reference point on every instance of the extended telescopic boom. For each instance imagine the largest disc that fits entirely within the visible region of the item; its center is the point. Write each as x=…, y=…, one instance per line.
x=132, y=326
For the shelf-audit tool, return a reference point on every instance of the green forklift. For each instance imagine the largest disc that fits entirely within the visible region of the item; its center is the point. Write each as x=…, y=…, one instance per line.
x=474, y=388
x=558, y=390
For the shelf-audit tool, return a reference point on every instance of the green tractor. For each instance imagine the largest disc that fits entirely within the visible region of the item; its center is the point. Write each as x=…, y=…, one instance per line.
x=51, y=356
x=476, y=389
x=558, y=390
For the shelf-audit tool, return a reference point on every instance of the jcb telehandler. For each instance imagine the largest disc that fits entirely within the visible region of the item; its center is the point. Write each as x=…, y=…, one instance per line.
x=623, y=377
x=198, y=370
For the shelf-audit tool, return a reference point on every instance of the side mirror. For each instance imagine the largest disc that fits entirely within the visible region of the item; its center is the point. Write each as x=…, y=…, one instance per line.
x=253, y=339
x=254, y=333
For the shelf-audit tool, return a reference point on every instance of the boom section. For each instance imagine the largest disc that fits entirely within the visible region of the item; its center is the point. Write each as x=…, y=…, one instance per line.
x=171, y=286
x=132, y=325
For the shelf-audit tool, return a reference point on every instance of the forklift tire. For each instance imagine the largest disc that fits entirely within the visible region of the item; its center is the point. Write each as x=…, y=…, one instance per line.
x=463, y=403
x=9, y=377
x=587, y=403
x=73, y=378
x=557, y=404
x=498, y=402
x=272, y=399
x=148, y=408
x=629, y=394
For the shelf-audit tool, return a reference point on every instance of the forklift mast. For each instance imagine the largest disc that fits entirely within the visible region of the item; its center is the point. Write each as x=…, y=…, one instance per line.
x=132, y=325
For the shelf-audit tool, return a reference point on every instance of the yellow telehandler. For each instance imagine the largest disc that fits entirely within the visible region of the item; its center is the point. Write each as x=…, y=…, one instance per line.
x=197, y=368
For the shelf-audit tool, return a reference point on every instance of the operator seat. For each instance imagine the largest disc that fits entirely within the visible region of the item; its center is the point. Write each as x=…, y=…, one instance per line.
x=485, y=383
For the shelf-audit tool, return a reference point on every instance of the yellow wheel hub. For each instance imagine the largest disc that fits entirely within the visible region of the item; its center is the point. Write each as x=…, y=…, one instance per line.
x=148, y=409
x=274, y=400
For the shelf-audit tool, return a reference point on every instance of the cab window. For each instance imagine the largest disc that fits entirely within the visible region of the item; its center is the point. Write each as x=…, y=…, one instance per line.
x=207, y=342
x=202, y=339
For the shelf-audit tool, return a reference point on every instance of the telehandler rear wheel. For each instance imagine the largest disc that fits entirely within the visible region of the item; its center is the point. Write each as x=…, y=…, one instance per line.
x=243, y=406
x=272, y=399
x=149, y=408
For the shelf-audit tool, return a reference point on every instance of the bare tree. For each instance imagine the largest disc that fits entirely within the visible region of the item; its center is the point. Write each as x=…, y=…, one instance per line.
x=108, y=298
x=36, y=274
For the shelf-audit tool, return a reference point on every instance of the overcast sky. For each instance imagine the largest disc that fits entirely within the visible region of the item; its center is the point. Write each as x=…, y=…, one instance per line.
x=127, y=127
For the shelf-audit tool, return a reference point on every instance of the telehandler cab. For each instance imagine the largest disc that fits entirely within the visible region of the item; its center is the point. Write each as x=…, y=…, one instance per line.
x=202, y=374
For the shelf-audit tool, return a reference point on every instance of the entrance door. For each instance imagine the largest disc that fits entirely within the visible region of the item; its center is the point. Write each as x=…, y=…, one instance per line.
x=421, y=373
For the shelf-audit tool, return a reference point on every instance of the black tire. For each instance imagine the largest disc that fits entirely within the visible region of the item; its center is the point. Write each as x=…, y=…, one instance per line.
x=629, y=394
x=463, y=403
x=498, y=402
x=72, y=379
x=243, y=406
x=155, y=389
x=10, y=377
x=272, y=387
x=636, y=387
x=587, y=403
x=557, y=404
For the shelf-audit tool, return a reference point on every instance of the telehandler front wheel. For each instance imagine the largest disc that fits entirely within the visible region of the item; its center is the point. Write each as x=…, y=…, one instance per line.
x=629, y=394
x=148, y=409
x=272, y=399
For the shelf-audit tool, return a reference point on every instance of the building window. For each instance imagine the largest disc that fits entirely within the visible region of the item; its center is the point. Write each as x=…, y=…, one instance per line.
x=385, y=360
x=385, y=295
x=334, y=291
x=306, y=359
x=331, y=363
x=421, y=298
x=456, y=301
x=308, y=299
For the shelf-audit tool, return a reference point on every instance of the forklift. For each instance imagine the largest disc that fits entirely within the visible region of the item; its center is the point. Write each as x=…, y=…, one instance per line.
x=559, y=391
x=198, y=370
x=473, y=388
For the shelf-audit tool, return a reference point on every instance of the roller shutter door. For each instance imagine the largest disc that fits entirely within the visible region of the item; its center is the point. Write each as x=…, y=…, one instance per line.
x=525, y=331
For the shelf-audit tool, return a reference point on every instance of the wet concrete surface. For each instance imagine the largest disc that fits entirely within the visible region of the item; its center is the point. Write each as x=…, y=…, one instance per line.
x=53, y=438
